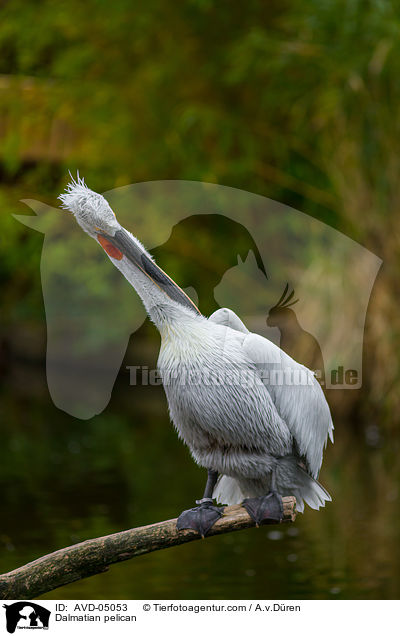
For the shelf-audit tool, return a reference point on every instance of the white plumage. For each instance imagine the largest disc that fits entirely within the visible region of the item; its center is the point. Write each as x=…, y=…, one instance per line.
x=242, y=406
x=244, y=427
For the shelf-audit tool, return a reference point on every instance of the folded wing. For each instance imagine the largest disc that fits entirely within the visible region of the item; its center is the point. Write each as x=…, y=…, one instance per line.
x=294, y=390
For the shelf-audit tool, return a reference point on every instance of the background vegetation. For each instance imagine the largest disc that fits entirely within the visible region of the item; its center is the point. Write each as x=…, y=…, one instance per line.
x=295, y=101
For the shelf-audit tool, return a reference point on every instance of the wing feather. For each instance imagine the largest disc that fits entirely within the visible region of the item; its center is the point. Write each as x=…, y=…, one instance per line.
x=228, y=318
x=293, y=388
x=297, y=396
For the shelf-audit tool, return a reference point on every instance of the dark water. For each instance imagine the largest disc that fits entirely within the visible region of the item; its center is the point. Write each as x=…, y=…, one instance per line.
x=64, y=480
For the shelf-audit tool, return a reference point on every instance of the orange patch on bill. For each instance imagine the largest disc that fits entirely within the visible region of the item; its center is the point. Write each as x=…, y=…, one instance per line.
x=109, y=248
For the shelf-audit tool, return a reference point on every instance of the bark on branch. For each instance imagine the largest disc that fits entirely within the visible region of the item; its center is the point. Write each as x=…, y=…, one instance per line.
x=96, y=555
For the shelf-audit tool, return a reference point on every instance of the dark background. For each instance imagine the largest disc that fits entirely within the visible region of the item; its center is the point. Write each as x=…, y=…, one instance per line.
x=296, y=101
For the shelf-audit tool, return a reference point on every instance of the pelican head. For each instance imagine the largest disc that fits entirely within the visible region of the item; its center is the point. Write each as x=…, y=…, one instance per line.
x=94, y=214
x=91, y=210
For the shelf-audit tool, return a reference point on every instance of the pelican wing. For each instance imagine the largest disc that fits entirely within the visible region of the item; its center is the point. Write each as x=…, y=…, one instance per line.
x=297, y=396
x=294, y=390
x=228, y=318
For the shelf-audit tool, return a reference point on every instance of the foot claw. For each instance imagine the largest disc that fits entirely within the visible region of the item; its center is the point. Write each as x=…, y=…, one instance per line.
x=264, y=509
x=200, y=519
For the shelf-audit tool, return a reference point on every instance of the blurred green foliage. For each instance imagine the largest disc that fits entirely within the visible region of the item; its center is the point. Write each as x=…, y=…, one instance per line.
x=297, y=101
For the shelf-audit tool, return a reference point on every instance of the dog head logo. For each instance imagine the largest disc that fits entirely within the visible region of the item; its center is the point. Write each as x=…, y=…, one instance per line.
x=26, y=615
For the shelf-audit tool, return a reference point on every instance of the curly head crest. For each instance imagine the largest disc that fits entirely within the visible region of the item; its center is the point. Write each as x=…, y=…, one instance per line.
x=90, y=209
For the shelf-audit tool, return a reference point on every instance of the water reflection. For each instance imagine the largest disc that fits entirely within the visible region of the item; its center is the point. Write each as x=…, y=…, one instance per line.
x=64, y=480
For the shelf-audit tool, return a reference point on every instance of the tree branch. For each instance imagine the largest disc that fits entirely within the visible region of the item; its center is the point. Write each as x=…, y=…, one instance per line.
x=96, y=555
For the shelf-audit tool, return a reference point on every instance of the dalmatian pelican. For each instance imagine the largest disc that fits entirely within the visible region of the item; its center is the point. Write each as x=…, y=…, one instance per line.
x=255, y=419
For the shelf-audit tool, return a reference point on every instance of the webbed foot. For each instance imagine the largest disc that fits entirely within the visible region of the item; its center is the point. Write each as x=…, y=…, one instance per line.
x=265, y=509
x=201, y=518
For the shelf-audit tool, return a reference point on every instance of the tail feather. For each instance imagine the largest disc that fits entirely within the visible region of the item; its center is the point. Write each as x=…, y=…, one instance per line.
x=228, y=491
x=291, y=479
x=312, y=493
